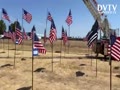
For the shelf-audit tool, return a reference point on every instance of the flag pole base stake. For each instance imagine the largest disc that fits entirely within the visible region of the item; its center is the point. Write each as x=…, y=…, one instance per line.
x=23, y=59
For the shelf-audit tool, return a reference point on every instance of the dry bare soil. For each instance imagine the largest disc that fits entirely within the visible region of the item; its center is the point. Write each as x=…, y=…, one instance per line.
x=74, y=71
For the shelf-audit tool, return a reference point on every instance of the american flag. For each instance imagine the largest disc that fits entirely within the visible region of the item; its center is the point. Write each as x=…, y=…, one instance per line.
x=39, y=45
x=27, y=16
x=45, y=37
x=86, y=37
x=19, y=34
x=49, y=17
x=25, y=36
x=93, y=33
x=65, y=38
x=36, y=42
x=5, y=15
x=63, y=33
x=69, y=18
x=32, y=32
x=53, y=32
x=6, y=34
x=12, y=34
x=114, y=47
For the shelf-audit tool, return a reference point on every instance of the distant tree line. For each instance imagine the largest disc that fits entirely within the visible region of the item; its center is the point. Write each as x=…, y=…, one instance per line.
x=11, y=26
x=70, y=38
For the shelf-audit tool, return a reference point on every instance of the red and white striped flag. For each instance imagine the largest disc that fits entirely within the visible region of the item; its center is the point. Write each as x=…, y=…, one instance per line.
x=49, y=17
x=19, y=34
x=53, y=31
x=5, y=15
x=114, y=48
x=27, y=16
x=65, y=38
x=69, y=18
x=36, y=42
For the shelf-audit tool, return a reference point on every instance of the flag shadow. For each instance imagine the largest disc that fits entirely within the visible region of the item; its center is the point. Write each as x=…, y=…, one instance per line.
x=6, y=65
x=40, y=70
x=118, y=76
x=25, y=88
x=82, y=65
x=96, y=57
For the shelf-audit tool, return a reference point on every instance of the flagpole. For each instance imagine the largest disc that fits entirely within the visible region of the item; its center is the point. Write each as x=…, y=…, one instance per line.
x=61, y=51
x=110, y=63
x=3, y=37
x=91, y=57
x=1, y=19
x=69, y=39
x=15, y=47
x=23, y=39
x=32, y=62
x=65, y=49
x=52, y=57
x=96, y=58
x=8, y=47
x=46, y=28
x=8, y=40
x=3, y=46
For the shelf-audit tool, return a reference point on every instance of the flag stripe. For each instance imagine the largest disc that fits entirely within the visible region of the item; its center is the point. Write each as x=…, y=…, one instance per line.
x=27, y=16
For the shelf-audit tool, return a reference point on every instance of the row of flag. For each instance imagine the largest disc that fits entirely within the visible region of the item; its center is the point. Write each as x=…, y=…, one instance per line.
x=28, y=17
x=113, y=46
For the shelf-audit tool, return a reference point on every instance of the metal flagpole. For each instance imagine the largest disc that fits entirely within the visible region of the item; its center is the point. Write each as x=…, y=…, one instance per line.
x=32, y=61
x=64, y=50
x=45, y=29
x=23, y=39
x=8, y=39
x=52, y=57
x=69, y=39
x=15, y=46
x=91, y=57
x=1, y=26
x=61, y=51
x=3, y=46
x=8, y=47
x=96, y=58
x=110, y=63
x=2, y=38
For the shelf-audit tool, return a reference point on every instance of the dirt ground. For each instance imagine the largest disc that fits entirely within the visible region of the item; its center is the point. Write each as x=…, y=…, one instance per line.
x=74, y=71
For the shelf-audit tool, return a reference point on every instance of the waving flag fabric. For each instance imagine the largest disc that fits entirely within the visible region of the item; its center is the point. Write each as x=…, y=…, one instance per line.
x=114, y=47
x=5, y=15
x=49, y=17
x=39, y=45
x=36, y=42
x=18, y=34
x=12, y=34
x=69, y=18
x=53, y=31
x=93, y=33
x=27, y=16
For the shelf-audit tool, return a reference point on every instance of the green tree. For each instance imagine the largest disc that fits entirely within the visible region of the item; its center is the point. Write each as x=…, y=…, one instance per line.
x=16, y=23
x=2, y=26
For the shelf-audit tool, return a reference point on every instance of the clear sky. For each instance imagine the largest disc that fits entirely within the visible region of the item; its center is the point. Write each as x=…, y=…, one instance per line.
x=82, y=18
